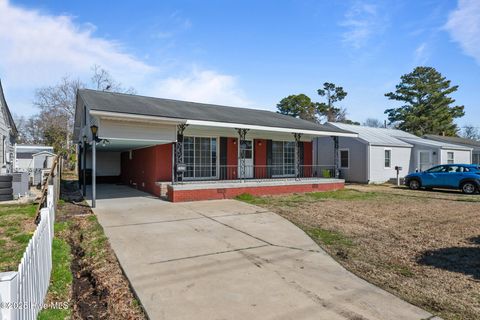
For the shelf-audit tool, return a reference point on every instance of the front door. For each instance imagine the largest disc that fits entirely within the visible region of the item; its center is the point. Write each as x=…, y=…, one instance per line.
x=245, y=150
x=424, y=160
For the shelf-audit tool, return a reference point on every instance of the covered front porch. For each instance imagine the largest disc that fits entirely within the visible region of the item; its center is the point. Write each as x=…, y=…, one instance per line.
x=185, y=160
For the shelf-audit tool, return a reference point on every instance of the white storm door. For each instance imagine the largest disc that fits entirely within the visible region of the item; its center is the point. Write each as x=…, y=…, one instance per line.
x=245, y=149
x=424, y=160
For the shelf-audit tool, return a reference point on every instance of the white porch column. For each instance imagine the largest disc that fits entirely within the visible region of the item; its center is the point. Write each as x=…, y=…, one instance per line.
x=84, y=166
x=94, y=172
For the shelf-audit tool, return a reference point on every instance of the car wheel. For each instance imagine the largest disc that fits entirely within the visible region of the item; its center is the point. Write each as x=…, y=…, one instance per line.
x=414, y=184
x=469, y=188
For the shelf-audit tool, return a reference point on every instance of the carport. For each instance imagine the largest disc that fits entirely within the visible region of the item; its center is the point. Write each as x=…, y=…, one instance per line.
x=111, y=134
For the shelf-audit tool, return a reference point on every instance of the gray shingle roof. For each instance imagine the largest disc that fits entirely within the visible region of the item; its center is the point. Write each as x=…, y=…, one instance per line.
x=141, y=105
x=455, y=140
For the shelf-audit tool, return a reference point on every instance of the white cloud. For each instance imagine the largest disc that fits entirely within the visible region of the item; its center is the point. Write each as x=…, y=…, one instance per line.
x=362, y=21
x=421, y=54
x=38, y=48
x=202, y=86
x=464, y=27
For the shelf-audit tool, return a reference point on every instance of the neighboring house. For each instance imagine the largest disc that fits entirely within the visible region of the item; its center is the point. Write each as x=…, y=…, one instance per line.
x=24, y=156
x=8, y=134
x=373, y=155
x=150, y=143
x=475, y=144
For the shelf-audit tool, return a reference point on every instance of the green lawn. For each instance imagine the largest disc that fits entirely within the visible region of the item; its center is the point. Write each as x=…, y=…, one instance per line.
x=16, y=229
x=293, y=199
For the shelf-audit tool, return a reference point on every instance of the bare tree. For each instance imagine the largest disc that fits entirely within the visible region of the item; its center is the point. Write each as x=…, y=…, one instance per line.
x=102, y=80
x=59, y=99
x=57, y=103
x=372, y=122
x=29, y=129
x=470, y=132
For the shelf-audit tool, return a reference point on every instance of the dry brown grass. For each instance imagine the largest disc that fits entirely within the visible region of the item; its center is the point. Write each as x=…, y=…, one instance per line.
x=422, y=246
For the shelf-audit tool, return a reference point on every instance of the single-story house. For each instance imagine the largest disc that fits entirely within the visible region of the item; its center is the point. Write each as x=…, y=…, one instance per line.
x=373, y=156
x=470, y=143
x=8, y=134
x=193, y=150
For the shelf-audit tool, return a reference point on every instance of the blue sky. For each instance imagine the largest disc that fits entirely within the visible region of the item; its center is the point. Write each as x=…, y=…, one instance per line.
x=243, y=53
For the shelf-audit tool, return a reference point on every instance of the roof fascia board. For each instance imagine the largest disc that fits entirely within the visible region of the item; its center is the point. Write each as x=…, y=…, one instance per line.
x=443, y=147
x=128, y=116
x=391, y=145
x=125, y=116
x=265, y=128
x=456, y=148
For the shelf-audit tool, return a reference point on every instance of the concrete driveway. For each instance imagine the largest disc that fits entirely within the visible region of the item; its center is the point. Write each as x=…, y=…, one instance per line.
x=229, y=260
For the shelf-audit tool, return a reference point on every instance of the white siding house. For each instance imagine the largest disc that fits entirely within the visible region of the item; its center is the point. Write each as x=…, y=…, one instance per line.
x=8, y=134
x=475, y=144
x=374, y=154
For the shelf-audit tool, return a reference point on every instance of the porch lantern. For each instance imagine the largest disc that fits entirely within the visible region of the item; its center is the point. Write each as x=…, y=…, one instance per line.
x=94, y=129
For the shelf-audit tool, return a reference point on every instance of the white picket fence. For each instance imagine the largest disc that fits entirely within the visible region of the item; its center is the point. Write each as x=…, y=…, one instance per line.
x=22, y=293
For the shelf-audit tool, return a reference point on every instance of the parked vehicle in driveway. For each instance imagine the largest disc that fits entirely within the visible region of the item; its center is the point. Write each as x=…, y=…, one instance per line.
x=465, y=177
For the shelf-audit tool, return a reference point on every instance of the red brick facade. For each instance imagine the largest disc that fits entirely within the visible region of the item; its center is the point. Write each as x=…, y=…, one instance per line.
x=146, y=167
x=228, y=193
x=232, y=158
x=260, y=158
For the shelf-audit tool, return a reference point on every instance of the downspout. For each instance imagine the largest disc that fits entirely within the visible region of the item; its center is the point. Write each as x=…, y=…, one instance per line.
x=368, y=163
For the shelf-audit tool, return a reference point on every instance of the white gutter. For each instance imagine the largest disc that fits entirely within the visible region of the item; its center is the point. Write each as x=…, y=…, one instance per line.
x=127, y=116
x=265, y=128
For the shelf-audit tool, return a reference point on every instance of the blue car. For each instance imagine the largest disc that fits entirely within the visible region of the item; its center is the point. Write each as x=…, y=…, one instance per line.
x=465, y=177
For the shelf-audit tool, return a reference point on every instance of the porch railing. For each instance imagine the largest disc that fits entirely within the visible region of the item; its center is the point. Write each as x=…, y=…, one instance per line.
x=248, y=172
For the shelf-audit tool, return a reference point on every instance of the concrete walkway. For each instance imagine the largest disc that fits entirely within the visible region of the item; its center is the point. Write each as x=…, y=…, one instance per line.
x=229, y=260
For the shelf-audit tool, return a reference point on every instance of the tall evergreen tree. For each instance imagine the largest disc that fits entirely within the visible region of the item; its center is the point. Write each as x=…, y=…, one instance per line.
x=428, y=107
x=298, y=106
x=328, y=110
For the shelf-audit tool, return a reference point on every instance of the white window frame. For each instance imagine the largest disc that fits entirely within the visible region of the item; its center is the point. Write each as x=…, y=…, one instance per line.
x=217, y=163
x=385, y=158
x=283, y=161
x=453, y=157
x=340, y=158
